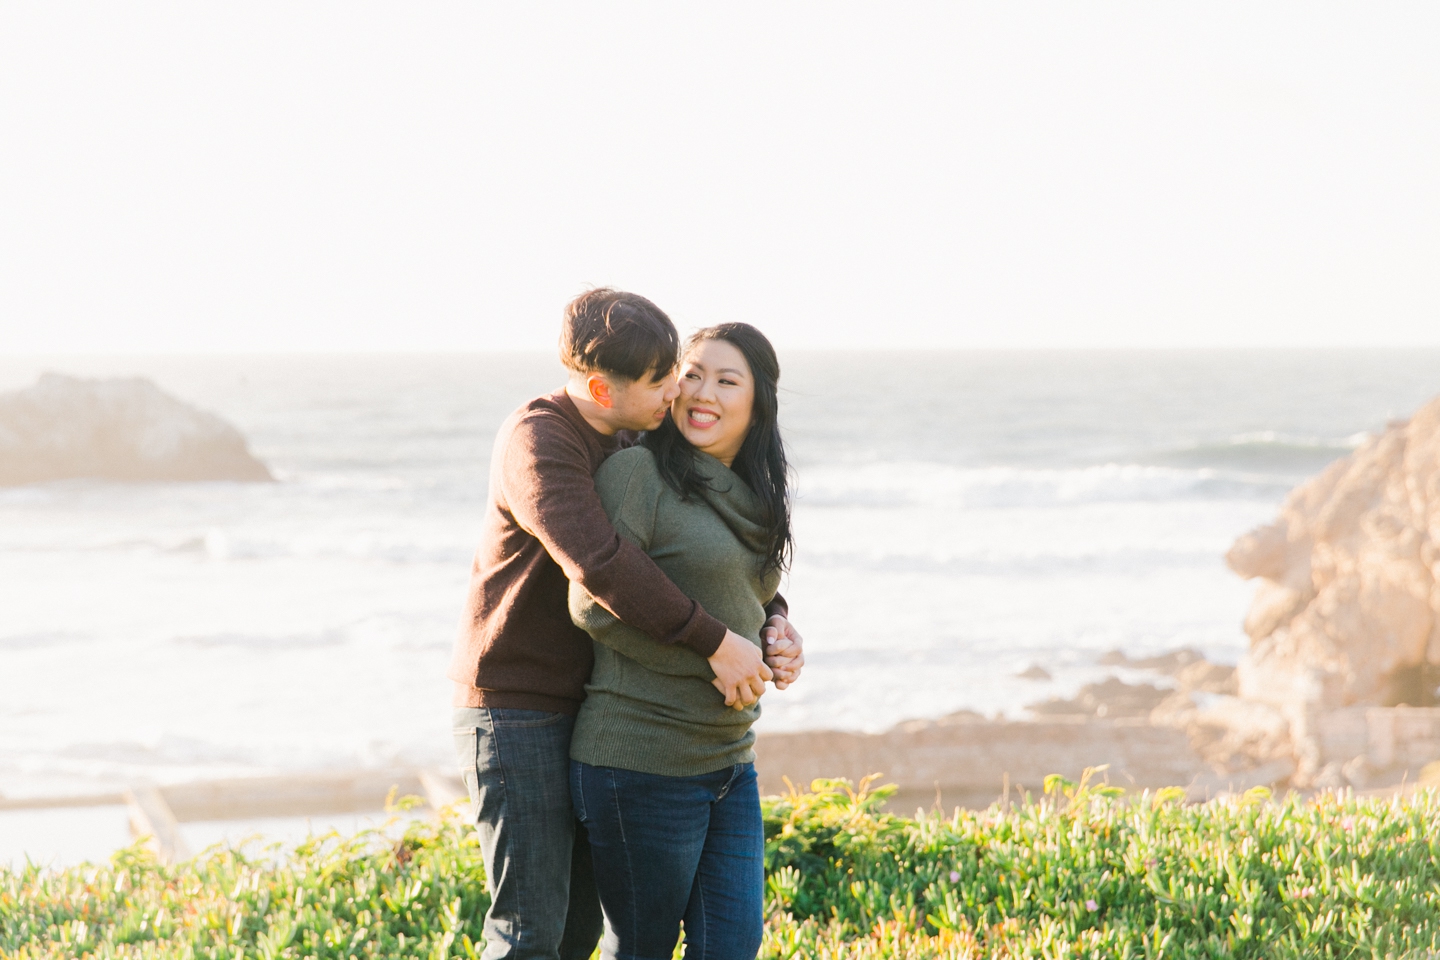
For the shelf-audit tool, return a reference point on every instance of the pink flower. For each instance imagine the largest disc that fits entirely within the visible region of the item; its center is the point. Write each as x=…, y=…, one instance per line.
x=1091, y=905
x=1307, y=892
x=954, y=876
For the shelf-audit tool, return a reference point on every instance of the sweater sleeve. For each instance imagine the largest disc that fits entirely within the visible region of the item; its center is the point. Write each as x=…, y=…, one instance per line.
x=549, y=490
x=777, y=606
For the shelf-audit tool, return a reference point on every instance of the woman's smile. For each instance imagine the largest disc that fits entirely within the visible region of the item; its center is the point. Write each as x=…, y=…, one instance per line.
x=702, y=419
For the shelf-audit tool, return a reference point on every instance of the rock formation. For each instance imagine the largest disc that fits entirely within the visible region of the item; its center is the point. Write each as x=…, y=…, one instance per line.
x=118, y=429
x=1347, y=615
x=1347, y=608
x=1109, y=698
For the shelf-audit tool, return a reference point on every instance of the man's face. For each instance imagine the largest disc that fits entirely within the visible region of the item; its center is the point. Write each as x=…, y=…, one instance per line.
x=641, y=404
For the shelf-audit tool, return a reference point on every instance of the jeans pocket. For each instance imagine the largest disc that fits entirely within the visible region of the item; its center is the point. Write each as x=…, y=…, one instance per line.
x=511, y=717
x=577, y=790
x=467, y=749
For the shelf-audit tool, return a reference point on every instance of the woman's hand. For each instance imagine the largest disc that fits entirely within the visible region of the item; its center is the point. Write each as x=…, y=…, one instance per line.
x=784, y=650
x=740, y=672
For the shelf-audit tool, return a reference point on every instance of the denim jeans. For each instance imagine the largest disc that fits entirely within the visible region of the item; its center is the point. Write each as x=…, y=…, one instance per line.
x=672, y=849
x=543, y=903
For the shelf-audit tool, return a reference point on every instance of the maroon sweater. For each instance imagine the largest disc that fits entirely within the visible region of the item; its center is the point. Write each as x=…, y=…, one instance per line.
x=544, y=526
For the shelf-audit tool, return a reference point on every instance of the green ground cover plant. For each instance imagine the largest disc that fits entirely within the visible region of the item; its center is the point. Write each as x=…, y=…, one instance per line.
x=1082, y=871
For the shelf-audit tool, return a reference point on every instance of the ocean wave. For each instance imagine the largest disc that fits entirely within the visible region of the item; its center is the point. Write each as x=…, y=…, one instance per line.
x=1285, y=439
x=1123, y=562
x=29, y=495
x=86, y=765
x=221, y=545
x=395, y=632
x=40, y=638
x=252, y=641
x=354, y=482
x=165, y=750
x=897, y=484
x=1266, y=451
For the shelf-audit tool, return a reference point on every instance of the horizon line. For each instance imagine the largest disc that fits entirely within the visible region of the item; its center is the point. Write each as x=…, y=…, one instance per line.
x=9, y=356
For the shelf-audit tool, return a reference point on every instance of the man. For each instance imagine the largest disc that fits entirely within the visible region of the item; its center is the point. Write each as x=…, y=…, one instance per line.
x=520, y=665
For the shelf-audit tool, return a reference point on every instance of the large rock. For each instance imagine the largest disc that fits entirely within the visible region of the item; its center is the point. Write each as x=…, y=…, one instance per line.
x=1348, y=612
x=118, y=429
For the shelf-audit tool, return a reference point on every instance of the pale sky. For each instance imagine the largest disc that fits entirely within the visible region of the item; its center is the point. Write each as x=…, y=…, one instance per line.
x=207, y=177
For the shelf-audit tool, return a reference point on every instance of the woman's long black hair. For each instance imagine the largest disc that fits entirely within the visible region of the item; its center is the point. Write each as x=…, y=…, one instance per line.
x=761, y=461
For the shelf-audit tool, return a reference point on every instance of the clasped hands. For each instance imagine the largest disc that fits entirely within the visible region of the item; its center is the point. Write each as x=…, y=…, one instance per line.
x=741, y=670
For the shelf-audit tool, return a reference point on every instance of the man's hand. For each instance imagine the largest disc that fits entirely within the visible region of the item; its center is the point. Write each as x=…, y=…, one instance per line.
x=740, y=671
x=784, y=650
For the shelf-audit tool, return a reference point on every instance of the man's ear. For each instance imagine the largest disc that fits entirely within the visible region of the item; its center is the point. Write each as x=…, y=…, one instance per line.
x=599, y=389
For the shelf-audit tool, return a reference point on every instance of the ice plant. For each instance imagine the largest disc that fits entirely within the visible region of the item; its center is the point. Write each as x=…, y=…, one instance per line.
x=1245, y=877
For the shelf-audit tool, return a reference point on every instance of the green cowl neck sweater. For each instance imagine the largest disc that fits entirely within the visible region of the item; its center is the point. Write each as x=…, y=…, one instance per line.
x=650, y=706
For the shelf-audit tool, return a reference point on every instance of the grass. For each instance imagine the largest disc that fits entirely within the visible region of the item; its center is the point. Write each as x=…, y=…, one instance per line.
x=1080, y=872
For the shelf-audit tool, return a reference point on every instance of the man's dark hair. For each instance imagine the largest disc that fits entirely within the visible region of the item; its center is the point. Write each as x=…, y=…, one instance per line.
x=610, y=331
x=761, y=462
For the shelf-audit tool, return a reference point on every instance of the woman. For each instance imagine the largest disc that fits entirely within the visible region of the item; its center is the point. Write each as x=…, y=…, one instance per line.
x=662, y=774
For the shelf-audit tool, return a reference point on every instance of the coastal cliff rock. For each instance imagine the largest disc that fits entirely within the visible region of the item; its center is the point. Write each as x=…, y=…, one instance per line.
x=1346, y=620
x=1348, y=612
x=117, y=429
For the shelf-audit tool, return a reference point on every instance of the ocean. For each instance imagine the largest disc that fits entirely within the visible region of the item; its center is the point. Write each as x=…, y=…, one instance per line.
x=959, y=517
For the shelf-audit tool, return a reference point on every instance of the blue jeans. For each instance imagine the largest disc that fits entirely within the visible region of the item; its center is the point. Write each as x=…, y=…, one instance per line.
x=668, y=849
x=543, y=904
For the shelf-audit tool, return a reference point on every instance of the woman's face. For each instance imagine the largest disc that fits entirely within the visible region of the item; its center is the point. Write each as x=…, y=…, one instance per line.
x=717, y=394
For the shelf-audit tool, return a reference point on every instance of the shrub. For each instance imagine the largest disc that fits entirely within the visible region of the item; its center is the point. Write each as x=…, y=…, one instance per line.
x=1079, y=872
